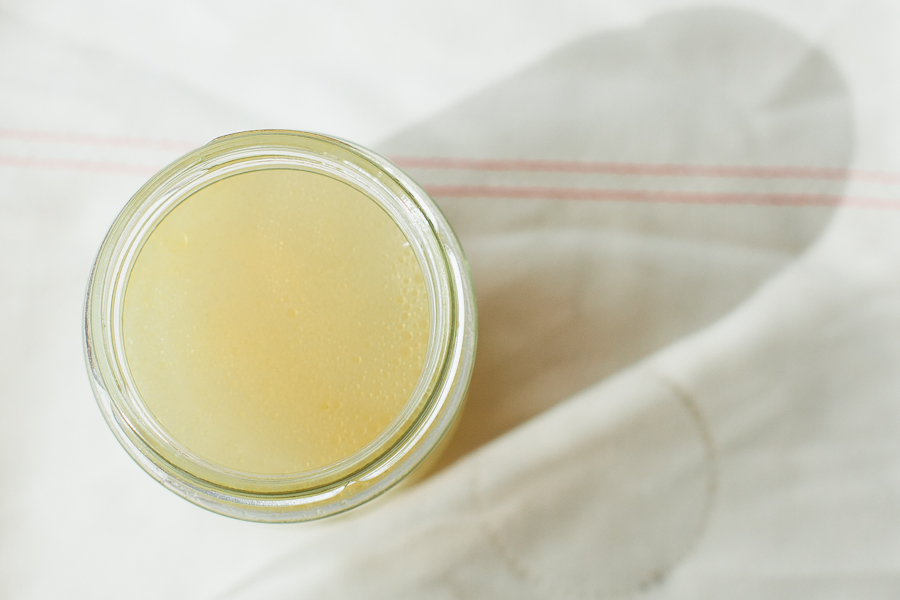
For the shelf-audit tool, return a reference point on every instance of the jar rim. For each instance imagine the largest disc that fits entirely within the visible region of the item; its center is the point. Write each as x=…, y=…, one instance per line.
x=399, y=449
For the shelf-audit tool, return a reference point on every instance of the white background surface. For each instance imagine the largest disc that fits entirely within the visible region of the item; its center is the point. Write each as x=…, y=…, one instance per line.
x=742, y=438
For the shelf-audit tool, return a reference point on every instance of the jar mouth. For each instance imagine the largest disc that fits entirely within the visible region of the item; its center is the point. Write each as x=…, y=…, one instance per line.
x=398, y=449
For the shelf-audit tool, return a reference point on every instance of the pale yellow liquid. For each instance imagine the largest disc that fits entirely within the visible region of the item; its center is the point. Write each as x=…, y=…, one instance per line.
x=276, y=321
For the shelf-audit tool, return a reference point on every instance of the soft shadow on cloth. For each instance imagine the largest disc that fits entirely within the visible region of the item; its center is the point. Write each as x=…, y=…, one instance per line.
x=603, y=494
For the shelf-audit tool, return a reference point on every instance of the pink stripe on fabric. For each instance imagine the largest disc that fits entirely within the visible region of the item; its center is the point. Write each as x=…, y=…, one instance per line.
x=657, y=196
x=91, y=139
x=76, y=165
x=487, y=164
x=535, y=192
x=646, y=169
x=515, y=165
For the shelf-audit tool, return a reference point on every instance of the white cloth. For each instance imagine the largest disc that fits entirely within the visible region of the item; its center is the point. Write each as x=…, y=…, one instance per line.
x=684, y=231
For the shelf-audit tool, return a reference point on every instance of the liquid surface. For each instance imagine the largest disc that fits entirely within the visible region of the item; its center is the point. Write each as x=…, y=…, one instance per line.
x=276, y=321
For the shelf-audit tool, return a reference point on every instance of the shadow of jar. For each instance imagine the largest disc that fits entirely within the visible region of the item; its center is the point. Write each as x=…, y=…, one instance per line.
x=629, y=189
x=600, y=225
x=571, y=290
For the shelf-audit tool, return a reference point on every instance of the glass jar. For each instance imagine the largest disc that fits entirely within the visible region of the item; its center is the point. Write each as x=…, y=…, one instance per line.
x=430, y=412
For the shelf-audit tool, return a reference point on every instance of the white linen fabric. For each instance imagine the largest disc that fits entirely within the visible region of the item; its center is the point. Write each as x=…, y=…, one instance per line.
x=683, y=223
